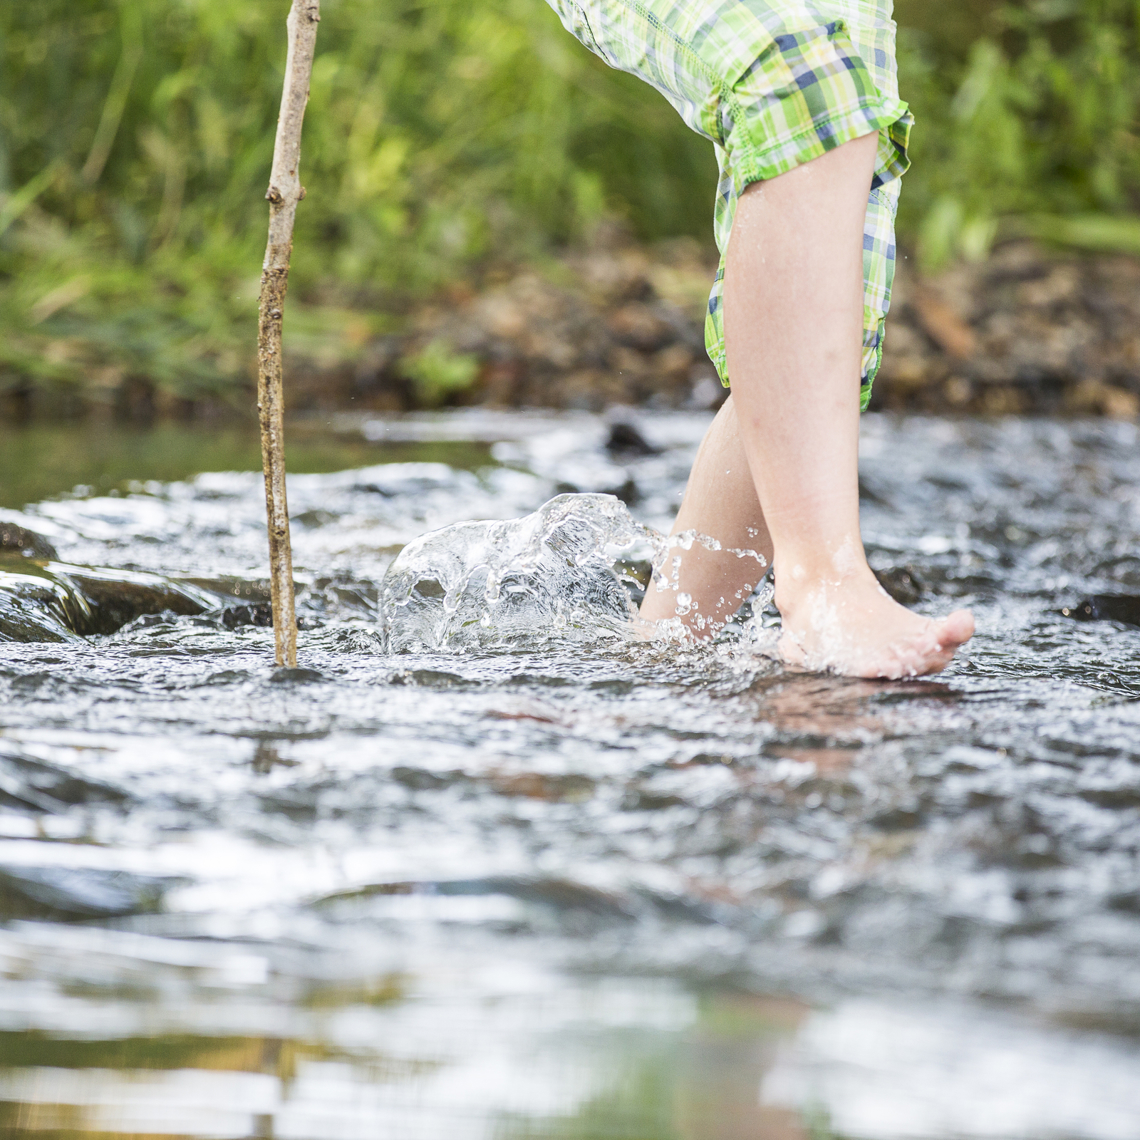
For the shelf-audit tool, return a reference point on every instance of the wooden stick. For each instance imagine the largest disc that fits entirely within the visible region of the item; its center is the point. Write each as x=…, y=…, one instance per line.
x=284, y=192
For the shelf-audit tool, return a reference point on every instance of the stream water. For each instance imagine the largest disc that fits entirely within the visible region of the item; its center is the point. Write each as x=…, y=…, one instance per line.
x=488, y=865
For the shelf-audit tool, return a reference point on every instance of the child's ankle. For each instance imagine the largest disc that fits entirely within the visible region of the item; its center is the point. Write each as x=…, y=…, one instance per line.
x=801, y=584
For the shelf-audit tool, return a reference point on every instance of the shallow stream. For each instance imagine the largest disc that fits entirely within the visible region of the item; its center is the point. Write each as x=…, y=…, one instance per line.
x=551, y=880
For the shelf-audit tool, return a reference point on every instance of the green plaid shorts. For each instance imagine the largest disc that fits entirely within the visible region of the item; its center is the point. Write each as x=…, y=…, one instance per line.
x=773, y=84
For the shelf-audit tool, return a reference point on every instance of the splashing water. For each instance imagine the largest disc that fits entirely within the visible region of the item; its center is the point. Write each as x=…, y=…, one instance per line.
x=548, y=574
x=553, y=574
x=513, y=892
x=666, y=577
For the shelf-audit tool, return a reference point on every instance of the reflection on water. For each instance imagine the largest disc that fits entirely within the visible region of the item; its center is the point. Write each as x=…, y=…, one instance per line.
x=48, y=459
x=520, y=1054
x=565, y=888
x=517, y=1052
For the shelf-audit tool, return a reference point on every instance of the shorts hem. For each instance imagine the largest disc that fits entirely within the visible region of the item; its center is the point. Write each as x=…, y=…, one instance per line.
x=751, y=165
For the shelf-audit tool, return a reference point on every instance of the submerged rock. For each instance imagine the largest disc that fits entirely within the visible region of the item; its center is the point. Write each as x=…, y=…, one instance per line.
x=38, y=607
x=31, y=784
x=626, y=439
x=252, y=613
x=903, y=583
x=1124, y=608
x=295, y=675
x=59, y=602
x=116, y=597
x=26, y=542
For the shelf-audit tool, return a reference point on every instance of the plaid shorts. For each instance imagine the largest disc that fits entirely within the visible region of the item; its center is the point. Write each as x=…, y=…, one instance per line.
x=773, y=83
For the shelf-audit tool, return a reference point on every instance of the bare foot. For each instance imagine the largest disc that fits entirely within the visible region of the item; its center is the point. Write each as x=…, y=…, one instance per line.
x=852, y=627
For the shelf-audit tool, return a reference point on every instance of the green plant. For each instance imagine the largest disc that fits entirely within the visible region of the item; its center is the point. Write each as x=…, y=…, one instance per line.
x=1034, y=117
x=135, y=138
x=436, y=372
x=443, y=137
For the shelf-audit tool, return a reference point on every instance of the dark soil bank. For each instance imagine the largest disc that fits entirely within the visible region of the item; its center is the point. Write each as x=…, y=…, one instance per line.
x=1029, y=330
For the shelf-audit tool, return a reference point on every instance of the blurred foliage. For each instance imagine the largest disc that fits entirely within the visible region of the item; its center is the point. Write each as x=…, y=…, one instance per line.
x=1029, y=121
x=441, y=137
x=436, y=371
x=135, y=141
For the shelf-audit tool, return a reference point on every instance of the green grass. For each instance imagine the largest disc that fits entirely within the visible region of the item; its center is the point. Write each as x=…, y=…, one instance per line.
x=1029, y=115
x=444, y=138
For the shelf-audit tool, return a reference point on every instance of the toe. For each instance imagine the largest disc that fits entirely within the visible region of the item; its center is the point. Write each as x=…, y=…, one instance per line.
x=956, y=629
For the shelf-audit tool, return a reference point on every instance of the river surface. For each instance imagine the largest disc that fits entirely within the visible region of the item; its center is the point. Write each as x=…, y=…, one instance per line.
x=545, y=879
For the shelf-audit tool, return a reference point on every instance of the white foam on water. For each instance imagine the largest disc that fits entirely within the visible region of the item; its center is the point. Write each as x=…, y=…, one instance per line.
x=549, y=574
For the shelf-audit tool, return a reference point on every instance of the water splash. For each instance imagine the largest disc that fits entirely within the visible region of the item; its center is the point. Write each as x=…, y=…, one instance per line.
x=751, y=598
x=548, y=575
x=571, y=571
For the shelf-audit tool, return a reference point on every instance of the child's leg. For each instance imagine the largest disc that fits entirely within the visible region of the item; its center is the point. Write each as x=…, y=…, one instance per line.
x=720, y=502
x=794, y=324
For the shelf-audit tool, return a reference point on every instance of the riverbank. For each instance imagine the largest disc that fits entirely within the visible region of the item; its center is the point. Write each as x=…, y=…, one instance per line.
x=1028, y=330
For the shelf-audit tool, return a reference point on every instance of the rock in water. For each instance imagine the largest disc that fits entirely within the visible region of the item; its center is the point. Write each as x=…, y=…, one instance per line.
x=36, y=607
x=58, y=601
x=902, y=583
x=546, y=576
x=626, y=439
x=26, y=542
x=1124, y=608
x=117, y=597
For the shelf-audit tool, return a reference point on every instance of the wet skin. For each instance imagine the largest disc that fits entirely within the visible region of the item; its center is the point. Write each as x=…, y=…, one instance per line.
x=778, y=472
